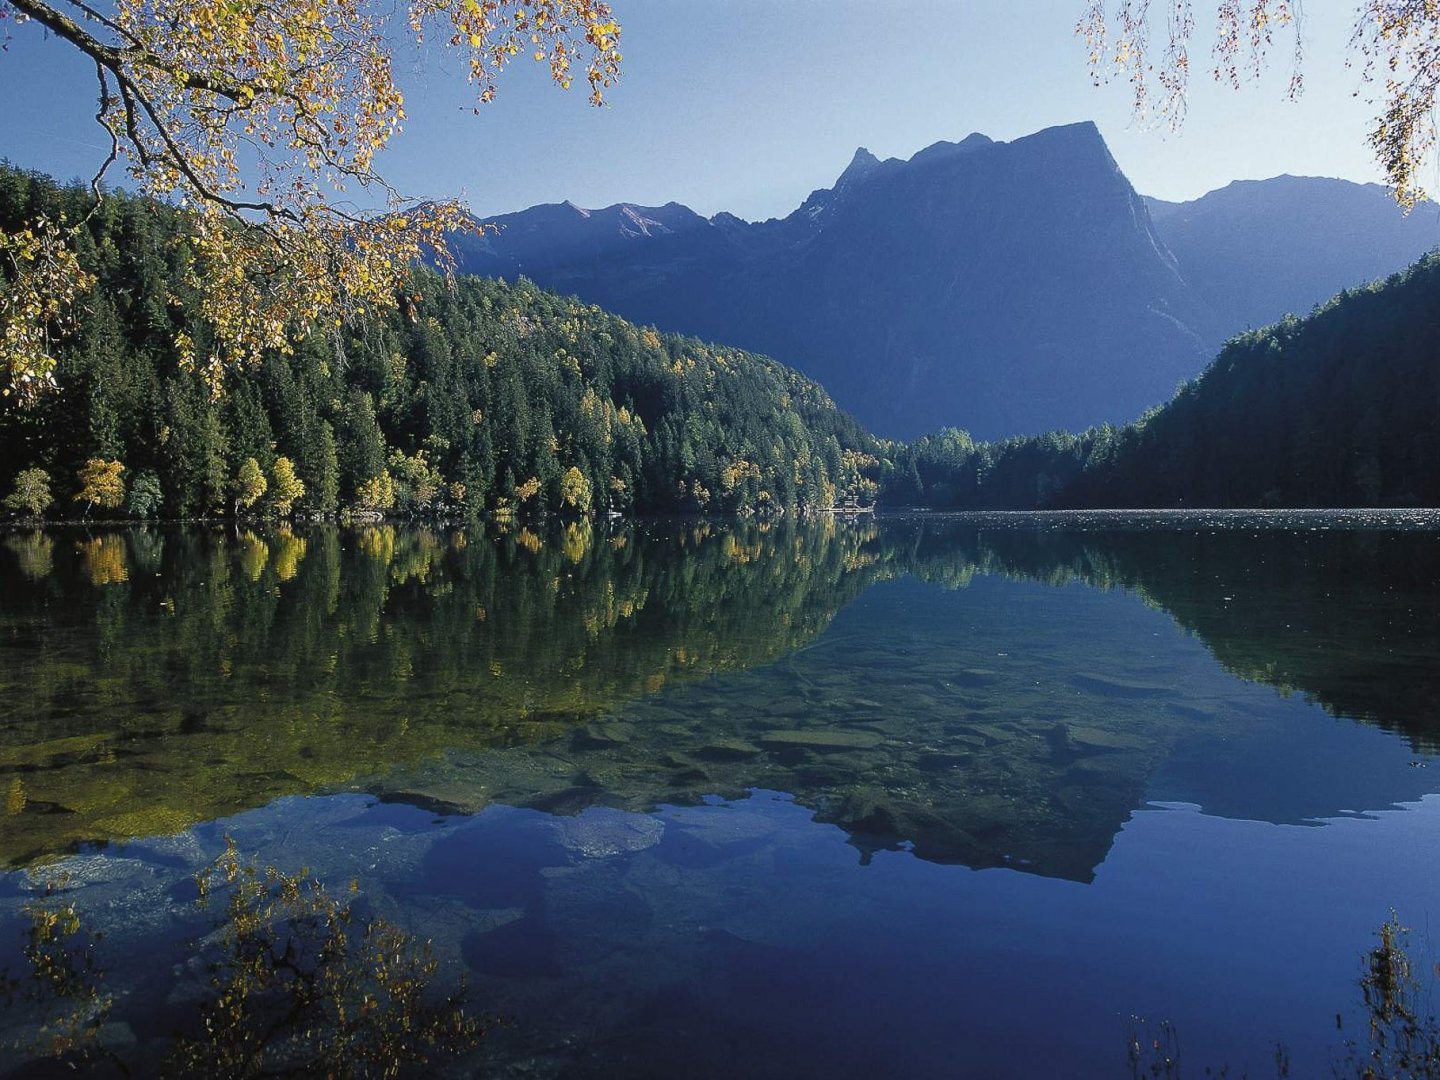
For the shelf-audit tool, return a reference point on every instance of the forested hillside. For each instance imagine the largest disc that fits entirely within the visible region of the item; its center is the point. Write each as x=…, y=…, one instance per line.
x=482, y=396
x=479, y=395
x=1338, y=409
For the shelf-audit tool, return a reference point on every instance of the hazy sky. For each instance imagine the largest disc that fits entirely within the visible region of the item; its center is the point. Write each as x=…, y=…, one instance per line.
x=747, y=106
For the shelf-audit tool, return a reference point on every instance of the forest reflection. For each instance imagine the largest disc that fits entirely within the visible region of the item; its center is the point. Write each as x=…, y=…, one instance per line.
x=152, y=679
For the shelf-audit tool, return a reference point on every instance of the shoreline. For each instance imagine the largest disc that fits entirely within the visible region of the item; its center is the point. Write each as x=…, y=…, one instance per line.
x=1209, y=517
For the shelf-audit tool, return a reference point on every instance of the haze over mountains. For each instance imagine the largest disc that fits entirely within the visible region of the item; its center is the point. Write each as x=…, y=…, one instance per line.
x=1256, y=250
x=1007, y=288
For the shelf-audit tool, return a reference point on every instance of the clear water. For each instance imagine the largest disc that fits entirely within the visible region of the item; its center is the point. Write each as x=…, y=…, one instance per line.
x=915, y=797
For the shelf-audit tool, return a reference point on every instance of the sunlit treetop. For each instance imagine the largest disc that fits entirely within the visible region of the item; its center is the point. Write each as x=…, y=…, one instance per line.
x=258, y=116
x=1395, y=43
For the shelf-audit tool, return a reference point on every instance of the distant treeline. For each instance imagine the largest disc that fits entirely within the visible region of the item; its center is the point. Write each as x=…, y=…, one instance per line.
x=484, y=397
x=475, y=396
x=1341, y=408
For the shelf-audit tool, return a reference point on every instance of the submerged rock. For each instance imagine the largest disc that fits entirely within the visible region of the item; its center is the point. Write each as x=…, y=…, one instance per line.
x=941, y=761
x=445, y=800
x=1191, y=712
x=991, y=732
x=116, y=1037
x=790, y=707
x=727, y=750
x=487, y=919
x=1096, y=739
x=1121, y=688
x=822, y=739
x=601, y=832
x=180, y=850
x=602, y=736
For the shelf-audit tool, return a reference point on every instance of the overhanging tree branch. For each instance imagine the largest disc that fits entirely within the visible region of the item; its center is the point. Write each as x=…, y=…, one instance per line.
x=257, y=114
x=1398, y=42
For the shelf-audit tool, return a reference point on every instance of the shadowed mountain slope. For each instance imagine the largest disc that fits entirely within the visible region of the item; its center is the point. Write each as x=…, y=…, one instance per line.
x=1004, y=287
x=1258, y=250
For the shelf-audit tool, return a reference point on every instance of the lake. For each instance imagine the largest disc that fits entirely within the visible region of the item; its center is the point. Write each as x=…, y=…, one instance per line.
x=916, y=796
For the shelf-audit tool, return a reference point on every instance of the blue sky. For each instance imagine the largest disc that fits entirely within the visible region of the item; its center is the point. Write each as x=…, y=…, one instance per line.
x=747, y=106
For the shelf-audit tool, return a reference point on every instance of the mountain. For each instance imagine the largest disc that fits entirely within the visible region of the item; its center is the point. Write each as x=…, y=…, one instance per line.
x=1004, y=287
x=1258, y=250
x=548, y=239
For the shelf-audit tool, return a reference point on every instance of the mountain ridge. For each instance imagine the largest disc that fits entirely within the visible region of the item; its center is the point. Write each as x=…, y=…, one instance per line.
x=1003, y=287
x=893, y=287
x=1261, y=249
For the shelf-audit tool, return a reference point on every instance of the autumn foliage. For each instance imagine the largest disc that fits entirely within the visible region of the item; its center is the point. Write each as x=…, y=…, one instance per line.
x=1396, y=43
x=101, y=484
x=265, y=120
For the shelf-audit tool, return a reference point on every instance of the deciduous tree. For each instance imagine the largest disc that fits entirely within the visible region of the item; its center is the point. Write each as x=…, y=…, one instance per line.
x=250, y=485
x=32, y=493
x=1397, y=43
x=575, y=490
x=287, y=488
x=101, y=484
x=376, y=494
x=146, y=496
x=264, y=118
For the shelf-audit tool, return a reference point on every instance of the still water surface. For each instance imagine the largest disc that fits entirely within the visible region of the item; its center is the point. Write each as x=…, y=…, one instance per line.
x=915, y=797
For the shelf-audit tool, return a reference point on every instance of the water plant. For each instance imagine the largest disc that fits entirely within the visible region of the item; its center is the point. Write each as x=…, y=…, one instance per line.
x=1402, y=1032
x=299, y=984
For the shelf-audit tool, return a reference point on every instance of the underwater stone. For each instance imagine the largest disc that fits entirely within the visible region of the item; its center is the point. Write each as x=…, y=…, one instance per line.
x=823, y=740
x=97, y=868
x=939, y=762
x=601, y=736
x=566, y=801
x=727, y=750
x=991, y=732
x=960, y=734
x=694, y=774
x=1097, y=739
x=789, y=708
x=487, y=919
x=1190, y=712
x=1107, y=768
x=180, y=849
x=601, y=832
x=446, y=799
x=116, y=1037
x=1123, y=688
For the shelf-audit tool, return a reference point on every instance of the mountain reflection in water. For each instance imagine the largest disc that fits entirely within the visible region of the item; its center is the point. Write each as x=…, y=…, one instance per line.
x=989, y=692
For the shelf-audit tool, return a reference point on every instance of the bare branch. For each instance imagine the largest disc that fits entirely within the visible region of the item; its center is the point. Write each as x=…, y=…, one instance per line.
x=101, y=114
